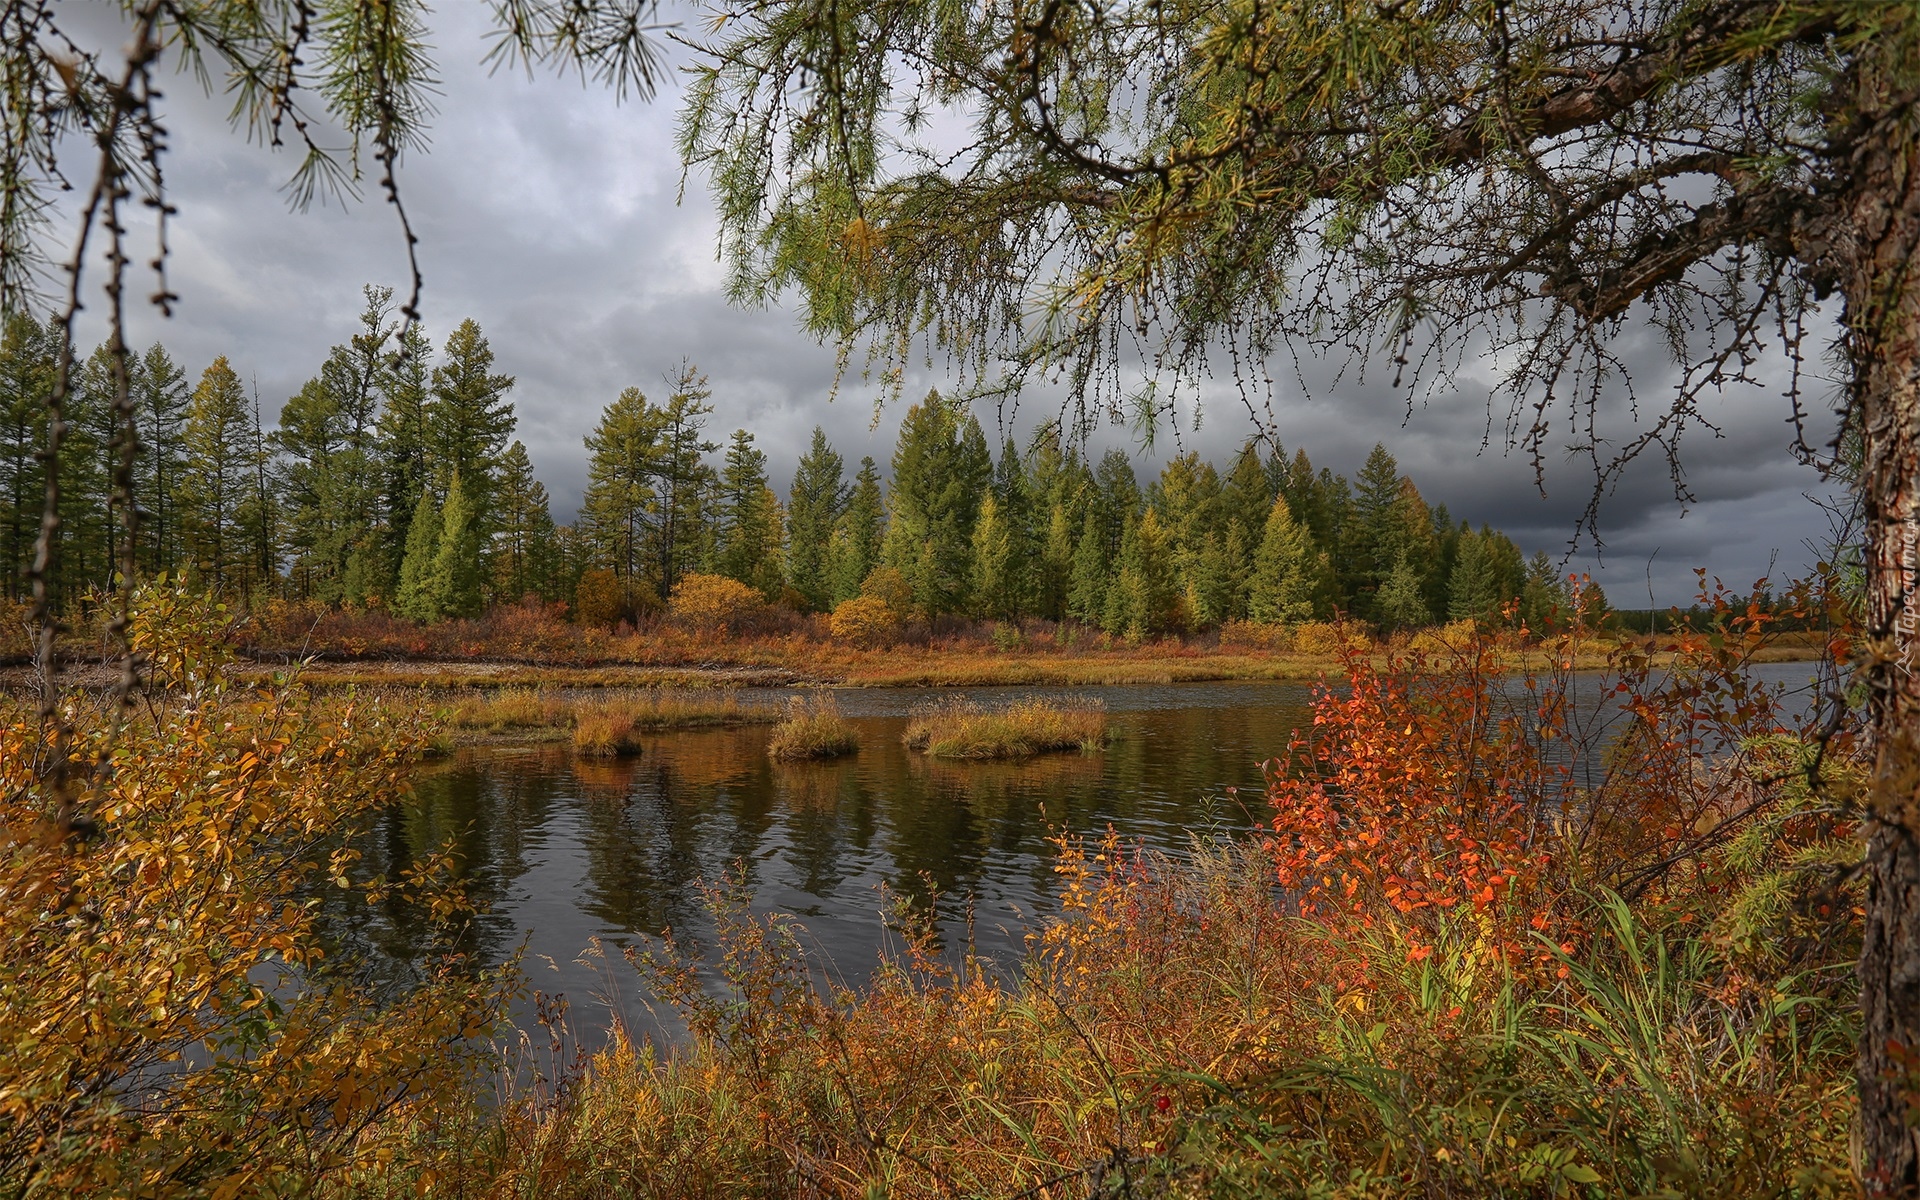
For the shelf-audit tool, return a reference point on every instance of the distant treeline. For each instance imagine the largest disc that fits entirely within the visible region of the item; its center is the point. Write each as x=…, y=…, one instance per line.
x=393, y=479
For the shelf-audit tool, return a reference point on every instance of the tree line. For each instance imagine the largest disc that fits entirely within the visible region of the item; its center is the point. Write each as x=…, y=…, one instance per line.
x=392, y=478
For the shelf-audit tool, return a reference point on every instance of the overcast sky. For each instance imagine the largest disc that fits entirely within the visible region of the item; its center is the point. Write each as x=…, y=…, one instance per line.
x=548, y=213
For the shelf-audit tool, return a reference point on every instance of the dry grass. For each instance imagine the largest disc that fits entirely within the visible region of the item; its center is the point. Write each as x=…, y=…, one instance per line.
x=605, y=732
x=609, y=726
x=813, y=729
x=962, y=729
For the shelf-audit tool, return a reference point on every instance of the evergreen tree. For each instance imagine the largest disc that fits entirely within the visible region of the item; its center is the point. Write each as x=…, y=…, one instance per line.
x=747, y=533
x=161, y=400
x=455, y=577
x=1369, y=549
x=416, y=597
x=26, y=376
x=1056, y=564
x=87, y=550
x=1487, y=573
x=858, y=536
x=405, y=436
x=524, y=554
x=619, y=505
x=218, y=482
x=940, y=472
x=310, y=437
x=1143, y=598
x=1087, y=588
x=683, y=480
x=1545, y=599
x=1286, y=576
x=1115, y=500
x=1018, y=584
x=814, y=508
x=1401, y=602
x=470, y=419
x=995, y=587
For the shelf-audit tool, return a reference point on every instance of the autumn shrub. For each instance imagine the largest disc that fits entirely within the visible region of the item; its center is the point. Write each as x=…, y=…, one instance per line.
x=864, y=621
x=716, y=605
x=171, y=1020
x=889, y=586
x=1319, y=637
x=605, y=731
x=1496, y=943
x=812, y=729
x=963, y=729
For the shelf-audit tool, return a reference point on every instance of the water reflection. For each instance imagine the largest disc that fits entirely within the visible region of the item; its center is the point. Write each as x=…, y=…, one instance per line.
x=564, y=850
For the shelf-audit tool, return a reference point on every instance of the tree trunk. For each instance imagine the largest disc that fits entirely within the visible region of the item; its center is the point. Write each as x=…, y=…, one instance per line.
x=1876, y=251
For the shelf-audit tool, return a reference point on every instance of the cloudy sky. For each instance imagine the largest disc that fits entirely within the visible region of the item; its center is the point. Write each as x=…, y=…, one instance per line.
x=548, y=213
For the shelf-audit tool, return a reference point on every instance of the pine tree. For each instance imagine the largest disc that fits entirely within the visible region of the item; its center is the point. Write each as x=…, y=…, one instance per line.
x=814, y=507
x=1544, y=597
x=310, y=437
x=90, y=527
x=1018, y=584
x=858, y=536
x=747, y=537
x=1369, y=549
x=1115, y=500
x=524, y=554
x=470, y=419
x=416, y=597
x=219, y=479
x=1286, y=579
x=455, y=578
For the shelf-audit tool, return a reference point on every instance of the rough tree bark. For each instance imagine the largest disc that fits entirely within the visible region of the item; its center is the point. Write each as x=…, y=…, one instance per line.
x=1878, y=239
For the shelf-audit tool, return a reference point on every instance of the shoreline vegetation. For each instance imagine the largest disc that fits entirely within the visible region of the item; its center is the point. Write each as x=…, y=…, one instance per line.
x=1447, y=967
x=962, y=729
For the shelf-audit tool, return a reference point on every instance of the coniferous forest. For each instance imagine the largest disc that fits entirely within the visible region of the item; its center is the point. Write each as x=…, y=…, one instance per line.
x=393, y=480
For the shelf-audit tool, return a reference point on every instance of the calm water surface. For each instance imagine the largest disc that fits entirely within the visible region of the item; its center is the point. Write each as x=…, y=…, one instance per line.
x=564, y=851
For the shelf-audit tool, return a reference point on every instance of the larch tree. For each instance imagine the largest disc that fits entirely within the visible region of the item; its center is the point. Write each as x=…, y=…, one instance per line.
x=683, y=480
x=1285, y=582
x=161, y=401
x=1430, y=184
x=405, y=431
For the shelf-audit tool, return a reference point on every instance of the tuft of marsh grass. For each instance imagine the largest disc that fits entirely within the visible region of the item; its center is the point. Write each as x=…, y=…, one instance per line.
x=605, y=732
x=813, y=728
x=963, y=729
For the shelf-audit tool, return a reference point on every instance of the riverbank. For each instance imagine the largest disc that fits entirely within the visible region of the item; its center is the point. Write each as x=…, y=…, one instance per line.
x=761, y=663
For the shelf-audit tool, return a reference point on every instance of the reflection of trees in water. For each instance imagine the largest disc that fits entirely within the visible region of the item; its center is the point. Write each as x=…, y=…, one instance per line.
x=629, y=840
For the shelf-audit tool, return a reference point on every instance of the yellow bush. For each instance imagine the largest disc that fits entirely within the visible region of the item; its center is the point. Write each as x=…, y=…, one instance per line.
x=1316, y=637
x=1449, y=638
x=864, y=621
x=715, y=603
x=597, y=598
x=890, y=587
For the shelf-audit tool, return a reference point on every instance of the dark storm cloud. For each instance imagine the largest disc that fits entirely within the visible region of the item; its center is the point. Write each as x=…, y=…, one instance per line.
x=547, y=213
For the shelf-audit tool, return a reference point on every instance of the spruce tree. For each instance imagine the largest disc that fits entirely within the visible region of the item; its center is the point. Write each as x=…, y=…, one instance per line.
x=1014, y=507
x=26, y=375
x=747, y=536
x=161, y=401
x=218, y=480
x=405, y=436
x=470, y=419
x=1285, y=580
x=858, y=536
x=1056, y=564
x=416, y=596
x=524, y=552
x=940, y=471
x=1087, y=588
x=814, y=507
x=310, y=438
x=618, y=508
x=455, y=577
x=683, y=481
x=995, y=589
x=1401, y=602
x=1115, y=500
